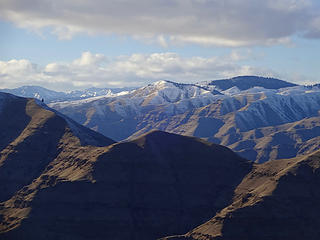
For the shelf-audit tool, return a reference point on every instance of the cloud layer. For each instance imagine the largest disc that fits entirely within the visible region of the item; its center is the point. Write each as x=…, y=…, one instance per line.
x=206, y=22
x=135, y=70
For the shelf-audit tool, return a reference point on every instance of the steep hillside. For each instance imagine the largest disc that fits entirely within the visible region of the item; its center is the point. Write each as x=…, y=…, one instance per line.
x=55, y=186
x=280, y=141
x=277, y=200
x=31, y=138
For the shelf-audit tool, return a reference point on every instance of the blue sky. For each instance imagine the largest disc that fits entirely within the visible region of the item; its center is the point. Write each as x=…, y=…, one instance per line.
x=76, y=45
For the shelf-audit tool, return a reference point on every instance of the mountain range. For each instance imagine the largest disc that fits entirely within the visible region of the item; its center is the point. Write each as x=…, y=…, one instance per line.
x=53, y=96
x=259, y=118
x=60, y=180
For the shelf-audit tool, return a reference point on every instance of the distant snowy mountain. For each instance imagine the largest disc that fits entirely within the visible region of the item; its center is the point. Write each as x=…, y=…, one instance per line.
x=172, y=97
x=53, y=96
x=36, y=92
x=164, y=92
x=220, y=114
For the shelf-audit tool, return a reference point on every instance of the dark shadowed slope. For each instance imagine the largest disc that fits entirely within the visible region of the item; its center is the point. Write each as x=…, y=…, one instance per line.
x=157, y=185
x=31, y=138
x=246, y=82
x=278, y=200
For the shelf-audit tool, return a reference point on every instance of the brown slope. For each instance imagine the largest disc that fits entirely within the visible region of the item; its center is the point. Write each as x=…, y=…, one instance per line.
x=278, y=200
x=32, y=139
x=10, y=129
x=153, y=186
x=281, y=141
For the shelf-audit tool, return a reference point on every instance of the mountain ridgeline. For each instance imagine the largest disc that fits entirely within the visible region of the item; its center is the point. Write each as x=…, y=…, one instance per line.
x=259, y=118
x=277, y=200
x=54, y=96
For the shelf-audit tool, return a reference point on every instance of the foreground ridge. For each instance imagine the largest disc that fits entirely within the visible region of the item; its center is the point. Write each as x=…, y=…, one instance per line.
x=276, y=200
x=153, y=186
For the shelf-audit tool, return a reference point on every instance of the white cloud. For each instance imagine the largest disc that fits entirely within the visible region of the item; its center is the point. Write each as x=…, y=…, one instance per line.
x=89, y=59
x=134, y=70
x=206, y=22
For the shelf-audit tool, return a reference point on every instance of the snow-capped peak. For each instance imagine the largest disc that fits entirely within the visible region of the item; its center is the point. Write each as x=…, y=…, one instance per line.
x=163, y=91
